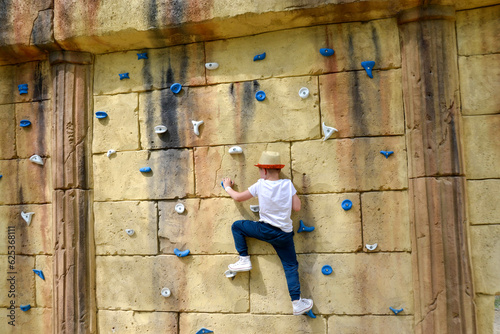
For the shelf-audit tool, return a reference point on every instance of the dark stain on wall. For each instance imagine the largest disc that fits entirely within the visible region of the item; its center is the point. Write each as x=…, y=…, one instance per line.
x=40, y=88
x=5, y=12
x=358, y=119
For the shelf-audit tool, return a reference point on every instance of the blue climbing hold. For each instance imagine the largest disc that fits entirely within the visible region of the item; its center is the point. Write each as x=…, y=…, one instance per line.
x=23, y=89
x=24, y=123
x=39, y=273
x=222, y=184
x=326, y=270
x=259, y=57
x=260, y=95
x=124, y=76
x=396, y=311
x=181, y=253
x=204, y=331
x=368, y=66
x=1, y=176
x=304, y=228
x=25, y=307
x=176, y=88
x=311, y=314
x=387, y=153
x=101, y=114
x=143, y=55
x=326, y=52
x=346, y=204
x=145, y=170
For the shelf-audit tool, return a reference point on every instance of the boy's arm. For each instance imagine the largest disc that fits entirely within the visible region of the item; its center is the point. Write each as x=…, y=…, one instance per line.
x=237, y=196
x=295, y=203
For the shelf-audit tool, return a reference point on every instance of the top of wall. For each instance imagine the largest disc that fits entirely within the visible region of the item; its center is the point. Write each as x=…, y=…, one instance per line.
x=100, y=26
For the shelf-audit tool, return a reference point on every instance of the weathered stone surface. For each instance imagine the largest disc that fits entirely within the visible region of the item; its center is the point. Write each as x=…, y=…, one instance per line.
x=485, y=312
x=231, y=114
x=33, y=239
x=214, y=163
x=250, y=323
x=25, y=182
x=182, y=64
x=35, y=74
x=171, y=175
x=386, y=220
x=484, y=196
x=287, y=56
x=479, y=84
x=340, y=165
x=8, y=130
x=478, y=31
x=23, y=287
x=44, y=287
x=113, y=218
x=357, y=105
x=360, y=283
x=130, y=322
x=197, y=284
x=485, y=241
x=482, y=154
x=370, y=324
x=36, y=320
x=37, y=138
x=118, y=131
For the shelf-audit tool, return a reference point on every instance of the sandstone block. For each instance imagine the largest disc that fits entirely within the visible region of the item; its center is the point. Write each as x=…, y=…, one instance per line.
x=214, y=163
x=386, y=220
x=197, y=284
x=359, y=284
x=479, y=84
x=118, y=131
x=357, y=105
x=250, y=323
x=35, y=74
x=36, y=320
x=22, y=285
x=478, y=31
x=119, y=178
x=485, y=242
x=231, y=114
x=130, y=322
x=341, y=165
x=25, y=182
x=483, y=196
x=33, y=239
x=182, y=64
x=44, y=287
x=111, y=219
x=8, y=129
x=482, y=155
x=370, y=324
x=37, y=138
x=485, y=313
x=296, y=52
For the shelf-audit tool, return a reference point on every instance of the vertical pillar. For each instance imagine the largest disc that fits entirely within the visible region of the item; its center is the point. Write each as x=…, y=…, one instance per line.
x=441, y=266
x=73, y=289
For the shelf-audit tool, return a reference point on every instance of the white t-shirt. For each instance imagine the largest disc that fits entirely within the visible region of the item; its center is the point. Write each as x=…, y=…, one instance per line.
x=275, y=202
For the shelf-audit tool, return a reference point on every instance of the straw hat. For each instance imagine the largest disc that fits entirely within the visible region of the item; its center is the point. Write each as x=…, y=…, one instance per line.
x=270, y=159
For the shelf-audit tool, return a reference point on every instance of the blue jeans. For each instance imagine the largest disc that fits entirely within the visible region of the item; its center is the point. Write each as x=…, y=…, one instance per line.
x=282, y=243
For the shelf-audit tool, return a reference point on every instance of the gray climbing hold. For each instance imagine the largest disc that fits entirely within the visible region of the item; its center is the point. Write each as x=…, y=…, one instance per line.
x=211, y=66
x=328, y=131
x=196, y=127
x=304, y=92
x=39, y=273
x=160, y=129
x=36, y=159
x=130, y=231
x=181, y=253
x=230, y=273
x=23, y=89
x=254, y=208
x=179, y=208
x=165, y=292
x=235, y=150
x=27, y=217
x=110, y=152
x=260, y=57
x=304, y=228
x=371, y=247
x=368, y=66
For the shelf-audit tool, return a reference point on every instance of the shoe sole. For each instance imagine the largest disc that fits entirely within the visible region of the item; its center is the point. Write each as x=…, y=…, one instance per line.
x=239, y=269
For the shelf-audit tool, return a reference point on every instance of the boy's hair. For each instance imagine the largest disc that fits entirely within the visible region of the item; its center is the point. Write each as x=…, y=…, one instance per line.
x=274, y=169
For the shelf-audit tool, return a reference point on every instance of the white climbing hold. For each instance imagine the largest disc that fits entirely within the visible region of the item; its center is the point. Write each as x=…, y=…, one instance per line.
x=235, y=150
x=230, y=273
x=110, y=152
x=160, y=129
x=328, y=131
x=130, y=231
x=179, y=208
x=196, y=126
x=165, y=292
x=36, y=159
x=303, y=92
x=27, y=217
x=371, y=247
x=254, y=208
x=212, y=66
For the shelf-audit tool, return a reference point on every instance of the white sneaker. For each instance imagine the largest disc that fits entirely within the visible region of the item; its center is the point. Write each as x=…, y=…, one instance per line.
x=243, y=264
x=301, y=306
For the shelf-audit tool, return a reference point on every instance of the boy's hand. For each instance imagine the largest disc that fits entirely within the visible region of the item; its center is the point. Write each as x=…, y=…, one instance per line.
x=227, y=182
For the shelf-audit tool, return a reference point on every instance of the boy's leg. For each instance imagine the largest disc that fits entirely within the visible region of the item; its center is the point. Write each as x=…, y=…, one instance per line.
x=242, y=229
x=285, y=248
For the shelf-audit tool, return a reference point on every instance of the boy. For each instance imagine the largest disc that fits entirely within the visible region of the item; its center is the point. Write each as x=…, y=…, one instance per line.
x=277, y=198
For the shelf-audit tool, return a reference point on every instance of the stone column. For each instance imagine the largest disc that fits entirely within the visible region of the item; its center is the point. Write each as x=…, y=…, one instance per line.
x=74, y=297
x=441, y=265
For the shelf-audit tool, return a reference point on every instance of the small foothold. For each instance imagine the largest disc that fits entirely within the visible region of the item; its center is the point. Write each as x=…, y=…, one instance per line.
x=196, y=127
x=259, y=57
x=179, y=208
x=160, y=129
x=1, y=176
x=130, y=231
x=25, y=307
x=23, y=89
x=371, y=247
x=204, y=331
x=254, y=208
x=39, y=273
x=212, y=66
x=311, y=314
x=230, y=273
x=181, y=253
x=24, y=123
x=101, y=114
x=304, y=228
x=165, y=292
x=326, y=52
x=387, y=153
x=368, y=66
x=222, y=184
x=176, y=88
x=27, y=216
x=36, y=159
x=260, y=95
x=235, y=150
x=143, y=55
x=328, y=131
x=396, y=311
x=110, y=152
x=346, y=204
x=303, y=92
x=124, y=76
x=145, y=169
x=326, y=270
